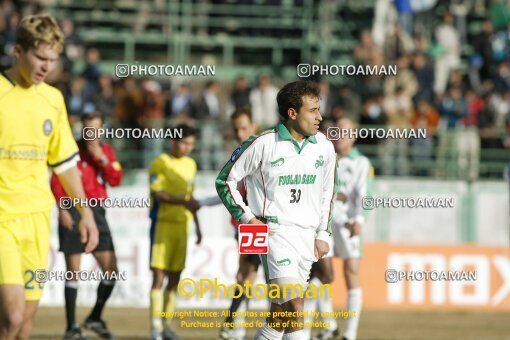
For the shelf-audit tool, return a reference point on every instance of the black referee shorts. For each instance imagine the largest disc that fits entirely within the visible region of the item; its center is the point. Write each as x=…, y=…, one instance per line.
x=70, y=239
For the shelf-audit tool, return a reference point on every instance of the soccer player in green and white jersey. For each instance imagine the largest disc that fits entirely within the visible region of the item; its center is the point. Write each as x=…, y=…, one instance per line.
x=290, y=178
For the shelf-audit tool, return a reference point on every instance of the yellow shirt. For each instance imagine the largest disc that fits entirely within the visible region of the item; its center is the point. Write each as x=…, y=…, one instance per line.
x=34, y=133
x=176, y=177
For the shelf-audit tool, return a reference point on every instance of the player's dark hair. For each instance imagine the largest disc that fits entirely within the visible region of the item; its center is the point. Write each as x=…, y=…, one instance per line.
x=241, y=112
x=291, y=96
x=186, y=131
x=91, y=115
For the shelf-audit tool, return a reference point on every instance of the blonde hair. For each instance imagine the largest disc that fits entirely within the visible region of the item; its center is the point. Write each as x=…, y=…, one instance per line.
x=34, y=30
x=349, y=120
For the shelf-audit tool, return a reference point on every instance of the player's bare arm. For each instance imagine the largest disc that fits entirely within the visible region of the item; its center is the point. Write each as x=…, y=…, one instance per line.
x=164, y=197
x=71, y=182
x=65, y=218
x=198, y=231
x=321, y=248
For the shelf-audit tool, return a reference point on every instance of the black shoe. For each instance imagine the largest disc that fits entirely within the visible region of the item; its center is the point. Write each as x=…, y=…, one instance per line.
x=98, y=327
x=327, y=334
x=75, y=333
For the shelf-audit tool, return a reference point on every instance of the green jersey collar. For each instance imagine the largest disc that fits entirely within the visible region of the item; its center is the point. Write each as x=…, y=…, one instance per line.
x=354, y=153
x=284, y=134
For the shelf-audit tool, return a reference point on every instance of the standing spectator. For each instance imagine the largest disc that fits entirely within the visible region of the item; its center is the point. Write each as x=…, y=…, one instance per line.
x=397, y=42
x=105, y=99
x=487, y=124
x=10, y=31
x=457, y=79
x=325, y=100
x=92, y=71
x=209, y=145
x=424, y=74
x=449, y=48
x=483, y=45
x=502, y=79
x=73, y=45
x=209, y=105
x=425, y=117
x=404, y=79
x=264, y=108
x=241, y=94
x=76, y=99
x=180, y=102
x=405, y=15
x=367, y=52
x=460, y=9
x=394, y=152
x=153, y=114
x=468, y=139
x=349, y=102
x=453, y=109
x=128, y=112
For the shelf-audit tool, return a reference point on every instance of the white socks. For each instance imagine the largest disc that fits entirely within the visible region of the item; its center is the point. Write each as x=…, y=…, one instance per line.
x=325, y=307
x=298, y=335
x=310, y=305
x=267, y=333
x=354, y=302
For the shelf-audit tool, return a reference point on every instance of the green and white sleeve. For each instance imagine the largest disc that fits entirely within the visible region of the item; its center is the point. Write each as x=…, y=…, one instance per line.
x=244, y=161
x=330, y=188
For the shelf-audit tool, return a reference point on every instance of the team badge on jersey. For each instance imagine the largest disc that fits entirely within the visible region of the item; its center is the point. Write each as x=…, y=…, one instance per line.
x=47, y=127
x=235, y=154
x=319, y=162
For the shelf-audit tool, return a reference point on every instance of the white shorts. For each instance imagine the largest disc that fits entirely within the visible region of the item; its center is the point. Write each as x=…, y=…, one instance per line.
x=291, y=254
x=344, y=246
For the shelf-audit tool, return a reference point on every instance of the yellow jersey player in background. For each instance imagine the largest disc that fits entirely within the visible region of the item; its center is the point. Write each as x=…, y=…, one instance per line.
x=172, y=177
x=34, y=133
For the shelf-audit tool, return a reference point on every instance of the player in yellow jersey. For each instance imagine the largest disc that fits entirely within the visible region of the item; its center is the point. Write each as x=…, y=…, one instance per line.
x=172, y=177
x=34, y=132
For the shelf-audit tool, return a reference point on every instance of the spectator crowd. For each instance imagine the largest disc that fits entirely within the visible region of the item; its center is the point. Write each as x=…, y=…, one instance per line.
x=454, y=83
